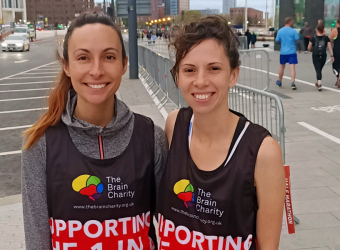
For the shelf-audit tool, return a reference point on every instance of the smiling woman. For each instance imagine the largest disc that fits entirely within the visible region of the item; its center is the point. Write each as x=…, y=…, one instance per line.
x=89, y=164
x=230, y=170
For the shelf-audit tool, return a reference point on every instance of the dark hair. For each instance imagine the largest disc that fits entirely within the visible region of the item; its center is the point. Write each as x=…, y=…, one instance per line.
x=288, y=20
x=58, y=97
x=320, y=27
x=183, y=38
x=338, y=21
x=91, y=18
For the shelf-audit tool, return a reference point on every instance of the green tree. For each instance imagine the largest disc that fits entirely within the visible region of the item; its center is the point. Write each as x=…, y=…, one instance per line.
x=191, y=15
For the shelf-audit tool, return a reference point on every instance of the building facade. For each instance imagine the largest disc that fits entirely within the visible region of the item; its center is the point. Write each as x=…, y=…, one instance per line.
x=184, y=5
x=307, y=11
x=53, y=11
x=255, y=17
x=207, y=12
x=12, y=11
x=227, y=5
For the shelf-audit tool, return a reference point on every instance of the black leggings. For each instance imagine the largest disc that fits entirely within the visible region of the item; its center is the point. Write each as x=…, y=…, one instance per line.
x=319, y=62
x=336, y=64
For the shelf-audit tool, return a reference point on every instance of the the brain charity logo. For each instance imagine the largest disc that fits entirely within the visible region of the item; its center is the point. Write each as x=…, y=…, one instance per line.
x=88, y=185
x=185, y=191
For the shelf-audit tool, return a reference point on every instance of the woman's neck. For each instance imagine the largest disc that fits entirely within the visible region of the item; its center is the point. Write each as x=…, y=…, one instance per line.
x=99, y=115
x=215, y=125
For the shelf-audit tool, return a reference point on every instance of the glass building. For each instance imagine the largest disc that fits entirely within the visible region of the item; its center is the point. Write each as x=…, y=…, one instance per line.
x=307, y=11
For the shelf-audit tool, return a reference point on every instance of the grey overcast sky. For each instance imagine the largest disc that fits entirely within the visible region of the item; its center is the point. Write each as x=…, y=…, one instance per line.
x=217, y=4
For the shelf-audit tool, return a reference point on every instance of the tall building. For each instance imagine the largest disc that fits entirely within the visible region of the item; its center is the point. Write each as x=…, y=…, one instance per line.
x=184, y=5
x=227, y=4
x=61, y=12
x=12, y=11
x=175, y=7
x=171, y=7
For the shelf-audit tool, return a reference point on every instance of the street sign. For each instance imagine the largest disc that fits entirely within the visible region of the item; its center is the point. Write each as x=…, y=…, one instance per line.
x=143, y=8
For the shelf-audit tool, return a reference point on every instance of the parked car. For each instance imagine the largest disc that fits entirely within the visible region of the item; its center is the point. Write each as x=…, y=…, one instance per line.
x=16, y=42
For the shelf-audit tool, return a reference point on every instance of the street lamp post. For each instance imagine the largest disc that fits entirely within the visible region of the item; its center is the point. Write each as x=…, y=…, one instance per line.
x=246, y=16
x=133, y=54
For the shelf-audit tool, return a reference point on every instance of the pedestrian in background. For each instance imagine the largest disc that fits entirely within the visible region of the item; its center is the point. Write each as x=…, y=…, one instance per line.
x=248, y=35
x=216, y=154
x=306, y=32
x=318, y=45
x=253, y=40
x=154, y=38
x=287, y=36
x=334, y=38
x=89, y=161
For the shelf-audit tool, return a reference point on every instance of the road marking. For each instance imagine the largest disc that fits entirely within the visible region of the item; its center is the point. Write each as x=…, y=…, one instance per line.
x=22, y=99
x=1, y=79
x=22, y=90
x=42, y=73
x=17, y=127
x=328, y=109
x=21, y=110
x=30, y=77
x=22, y=61
x=11, y=153
x=23, y=83
x=296, y=80
x=320, y=132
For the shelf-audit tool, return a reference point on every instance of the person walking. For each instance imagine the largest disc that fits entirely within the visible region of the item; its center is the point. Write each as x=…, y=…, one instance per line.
x=306, y=32
x=334, y=38
x=287, y=36
x=253, y=40
x=224, y=183
x=90, y=166
x=318, y=45
x=248, y=35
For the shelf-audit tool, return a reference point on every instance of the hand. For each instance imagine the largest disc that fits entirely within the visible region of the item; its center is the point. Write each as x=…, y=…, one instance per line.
x=332, y=59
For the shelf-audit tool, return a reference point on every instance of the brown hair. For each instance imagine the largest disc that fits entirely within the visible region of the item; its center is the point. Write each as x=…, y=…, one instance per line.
x=320, y=28
x=288, y=20
x=58, y=98
x=210, y=27
x=338, y=21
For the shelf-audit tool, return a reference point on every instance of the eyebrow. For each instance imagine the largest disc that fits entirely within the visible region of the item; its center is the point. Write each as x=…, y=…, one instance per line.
x=87, y=51
x=194, y=65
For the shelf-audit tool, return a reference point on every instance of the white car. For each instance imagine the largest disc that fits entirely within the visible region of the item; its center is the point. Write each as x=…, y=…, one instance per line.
x=16, y=43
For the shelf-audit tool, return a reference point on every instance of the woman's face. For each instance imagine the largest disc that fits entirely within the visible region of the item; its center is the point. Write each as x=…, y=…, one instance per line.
x=95, y=63
x=205, y=77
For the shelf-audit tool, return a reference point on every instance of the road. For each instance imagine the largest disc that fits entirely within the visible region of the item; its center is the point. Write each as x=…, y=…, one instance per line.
x=25, y=78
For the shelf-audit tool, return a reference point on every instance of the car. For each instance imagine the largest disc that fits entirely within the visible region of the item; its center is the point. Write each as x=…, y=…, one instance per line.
x=16, y=43
x=22, y=30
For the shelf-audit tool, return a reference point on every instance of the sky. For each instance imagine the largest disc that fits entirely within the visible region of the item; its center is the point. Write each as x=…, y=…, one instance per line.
x=217, y=4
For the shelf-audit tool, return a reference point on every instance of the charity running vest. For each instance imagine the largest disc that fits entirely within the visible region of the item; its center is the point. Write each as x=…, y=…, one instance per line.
x=96, y=204
x=210, y=210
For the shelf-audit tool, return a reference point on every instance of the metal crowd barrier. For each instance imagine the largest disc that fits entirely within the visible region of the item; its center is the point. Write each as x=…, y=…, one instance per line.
x=262, y=108
x=254, y=70
x=258, y=106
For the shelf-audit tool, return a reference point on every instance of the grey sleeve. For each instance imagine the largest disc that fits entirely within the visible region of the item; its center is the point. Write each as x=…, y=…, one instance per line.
x=161, y=154
x=34, y=197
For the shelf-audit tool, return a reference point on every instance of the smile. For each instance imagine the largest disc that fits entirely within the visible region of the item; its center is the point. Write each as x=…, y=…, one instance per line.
x=203, y=96
x=96, y=86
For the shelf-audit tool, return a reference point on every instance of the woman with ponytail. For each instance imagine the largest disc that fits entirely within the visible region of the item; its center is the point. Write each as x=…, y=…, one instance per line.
x=90, y=166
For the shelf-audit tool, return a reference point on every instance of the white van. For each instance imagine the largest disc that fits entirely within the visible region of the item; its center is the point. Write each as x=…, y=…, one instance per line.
x=21, y=30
